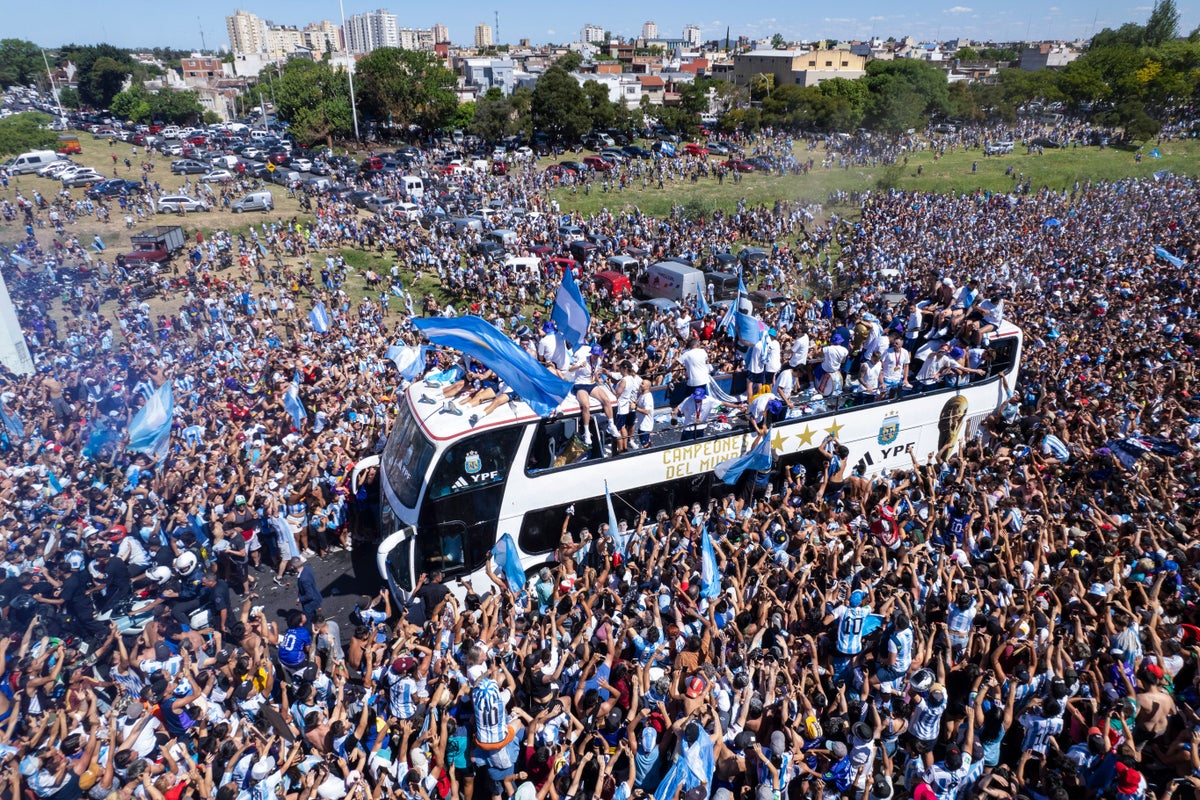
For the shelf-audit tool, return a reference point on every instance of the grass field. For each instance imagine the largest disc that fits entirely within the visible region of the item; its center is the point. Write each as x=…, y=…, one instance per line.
x=1056, y=169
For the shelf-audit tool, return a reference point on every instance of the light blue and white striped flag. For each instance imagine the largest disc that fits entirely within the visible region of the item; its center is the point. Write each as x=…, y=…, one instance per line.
x=570, y=313
x=319, y=318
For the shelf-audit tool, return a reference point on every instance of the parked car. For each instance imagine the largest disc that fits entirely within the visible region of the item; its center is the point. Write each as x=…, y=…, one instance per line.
x=559, y=170
x=693, y=149
x=84, y=178
x=379, y=205
x=597, y=163
x=114, y=188
x=188, y=166
x=737, y=165
x=174, y=203
x=302, y=164
x=218, y=176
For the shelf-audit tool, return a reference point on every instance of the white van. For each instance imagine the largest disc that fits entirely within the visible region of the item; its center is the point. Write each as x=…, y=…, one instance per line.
x=259, y=133
x=225, y=162
x=413, y=186
x=531, y=265
x=255, y=201
x=672, y=281
x=31, y=161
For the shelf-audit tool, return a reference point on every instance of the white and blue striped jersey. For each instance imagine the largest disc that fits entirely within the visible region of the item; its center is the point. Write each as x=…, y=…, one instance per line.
x=850, y=628
x=1038, y=731
x=900, y=643
x=491, y=718
x=926, y=720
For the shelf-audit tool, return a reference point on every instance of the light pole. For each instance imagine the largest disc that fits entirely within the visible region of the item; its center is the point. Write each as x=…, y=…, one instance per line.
x=350, y=71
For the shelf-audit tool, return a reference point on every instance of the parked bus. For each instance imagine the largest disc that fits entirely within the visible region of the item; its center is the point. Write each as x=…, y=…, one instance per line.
x=448, y=489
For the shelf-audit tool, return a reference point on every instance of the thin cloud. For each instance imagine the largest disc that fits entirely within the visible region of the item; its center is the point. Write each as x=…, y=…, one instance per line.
x=959, y=10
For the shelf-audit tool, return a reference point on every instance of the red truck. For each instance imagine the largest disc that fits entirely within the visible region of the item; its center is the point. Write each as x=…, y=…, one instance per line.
x=158, y=244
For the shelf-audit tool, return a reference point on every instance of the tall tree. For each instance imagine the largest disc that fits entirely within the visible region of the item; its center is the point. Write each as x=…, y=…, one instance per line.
x=20, y=63
x=100, y=71
x=315, y=98
x=778, y=42
x=1163, y=25
x=558, y=105
x=494, y=119
x=405, y=87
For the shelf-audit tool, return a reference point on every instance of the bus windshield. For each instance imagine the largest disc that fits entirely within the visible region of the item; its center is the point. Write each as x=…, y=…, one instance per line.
x=407, y=458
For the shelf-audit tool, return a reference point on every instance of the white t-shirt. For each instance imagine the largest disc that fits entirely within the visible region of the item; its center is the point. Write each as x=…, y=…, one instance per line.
x=833, y=356
x=553, y=349
x=645, y=403
x=800, y=348
x=695, y=364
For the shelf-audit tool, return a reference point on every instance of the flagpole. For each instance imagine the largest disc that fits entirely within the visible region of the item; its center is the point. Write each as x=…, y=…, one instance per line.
x=349, y=70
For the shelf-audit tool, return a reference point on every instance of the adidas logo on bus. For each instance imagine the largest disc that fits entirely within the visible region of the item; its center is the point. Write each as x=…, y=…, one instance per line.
x=461, y=483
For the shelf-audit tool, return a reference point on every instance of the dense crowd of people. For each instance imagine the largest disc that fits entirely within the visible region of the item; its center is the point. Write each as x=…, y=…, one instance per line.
x=1012, y=617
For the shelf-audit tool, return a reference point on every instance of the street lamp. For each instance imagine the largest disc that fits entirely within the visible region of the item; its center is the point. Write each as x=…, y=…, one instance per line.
x=350, y=71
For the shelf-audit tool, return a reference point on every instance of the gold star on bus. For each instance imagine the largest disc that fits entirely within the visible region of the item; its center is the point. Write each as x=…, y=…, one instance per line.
x=834, y=429
x=806, y=436
x=777, y=441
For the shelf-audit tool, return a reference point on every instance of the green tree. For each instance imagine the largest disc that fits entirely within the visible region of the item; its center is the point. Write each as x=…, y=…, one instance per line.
x=558, y=105
x=180, y=108
x=778, y=42
x=494, y=118
x=315, y=99
x=600, y=108
x=1163, y=25
x=463, y=116
x=522, y=110
x=904, y=93
x=1130, y=34
x=848, y=101
x=69, y=97
x=26, y=131
x=405, y=87
x=569, y=61
x=967, y=54
x=20, y=63
x=132, y=104
x=100, y=71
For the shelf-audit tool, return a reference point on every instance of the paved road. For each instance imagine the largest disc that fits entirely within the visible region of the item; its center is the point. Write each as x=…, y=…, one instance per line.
x=343, y=578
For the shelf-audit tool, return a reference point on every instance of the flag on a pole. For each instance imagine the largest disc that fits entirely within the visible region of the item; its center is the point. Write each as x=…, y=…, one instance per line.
x=621, y=542
x=570, y=313
x=710, y=575
x=1165, y=255
x=12, y=422
x=509, y=561
x=150, y=429
x=1155, y=153
x=409, y=361
x=293, y=406
x=757, y=459
x=319, y=318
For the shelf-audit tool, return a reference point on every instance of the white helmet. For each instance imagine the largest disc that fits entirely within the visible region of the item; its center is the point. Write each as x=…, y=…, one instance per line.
x=185, y=563
x=159, y=575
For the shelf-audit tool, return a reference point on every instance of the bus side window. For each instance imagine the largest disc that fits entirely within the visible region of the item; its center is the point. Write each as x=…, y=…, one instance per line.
x=549, y=442
x=1003, y=361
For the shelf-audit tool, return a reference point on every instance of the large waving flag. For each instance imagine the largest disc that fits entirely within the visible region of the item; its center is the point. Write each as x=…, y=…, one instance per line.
x=1165, y=255
x=410, y=361
x=757, y=458
x=150, y=430
x=319, y=318
x=508, y=559
x=293, y=406
x=694, y=767
x=710, y=574
x=481, y=340
x=12, y=422
x=570, y=312
x=750, y=329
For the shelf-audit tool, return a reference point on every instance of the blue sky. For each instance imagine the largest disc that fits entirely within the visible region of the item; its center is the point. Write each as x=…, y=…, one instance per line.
x=131, y=23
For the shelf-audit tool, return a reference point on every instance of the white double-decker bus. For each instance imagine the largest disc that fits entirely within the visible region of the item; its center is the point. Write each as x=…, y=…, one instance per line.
x=448, y=490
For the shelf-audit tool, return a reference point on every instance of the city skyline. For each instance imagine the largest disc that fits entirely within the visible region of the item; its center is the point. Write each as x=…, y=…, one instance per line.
x=138, y=23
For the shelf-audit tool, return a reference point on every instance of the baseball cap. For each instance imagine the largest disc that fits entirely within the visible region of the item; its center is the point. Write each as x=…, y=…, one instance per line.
x=957, y=352
x=857, y=597
x=597, y=350
x=837, y=749
x=695, y=686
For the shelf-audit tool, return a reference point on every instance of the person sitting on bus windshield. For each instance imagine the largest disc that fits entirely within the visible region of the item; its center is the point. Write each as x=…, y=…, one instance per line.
x=588, y=373
x=695, y=412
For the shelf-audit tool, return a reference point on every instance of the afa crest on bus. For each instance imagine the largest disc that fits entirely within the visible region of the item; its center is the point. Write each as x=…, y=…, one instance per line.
x=889, y=431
